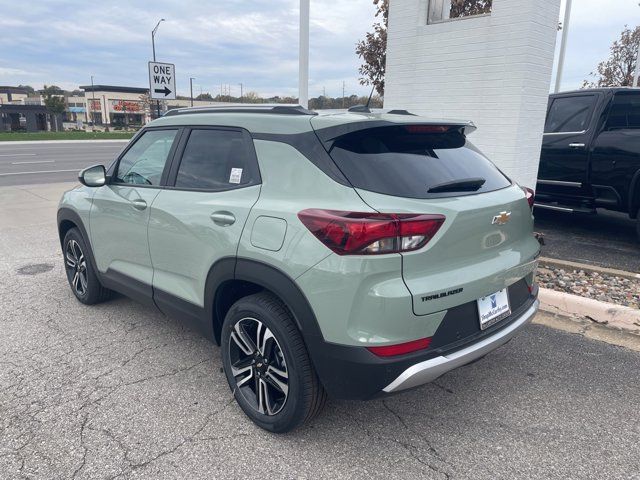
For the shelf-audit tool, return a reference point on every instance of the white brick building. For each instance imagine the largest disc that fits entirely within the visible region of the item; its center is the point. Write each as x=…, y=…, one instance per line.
x=493, y=68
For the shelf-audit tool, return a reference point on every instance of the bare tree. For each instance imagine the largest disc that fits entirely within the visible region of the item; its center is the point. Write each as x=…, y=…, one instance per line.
x=466, y=8
x=373, y=50
x=618, y=69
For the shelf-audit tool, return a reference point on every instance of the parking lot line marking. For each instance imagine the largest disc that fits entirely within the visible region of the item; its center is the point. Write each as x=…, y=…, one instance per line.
x=34, y=161
x=18, y=155
x=38, y=171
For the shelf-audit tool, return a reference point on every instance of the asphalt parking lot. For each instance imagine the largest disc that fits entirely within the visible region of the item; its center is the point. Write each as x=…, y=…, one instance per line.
x=607, y=239
x=120, y=391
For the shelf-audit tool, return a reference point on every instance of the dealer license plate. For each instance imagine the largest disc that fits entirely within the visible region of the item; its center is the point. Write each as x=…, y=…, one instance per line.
x=493, y=308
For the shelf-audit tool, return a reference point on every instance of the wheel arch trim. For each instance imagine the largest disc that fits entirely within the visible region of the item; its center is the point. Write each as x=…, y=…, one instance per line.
x=268, y=277
x=69, y=215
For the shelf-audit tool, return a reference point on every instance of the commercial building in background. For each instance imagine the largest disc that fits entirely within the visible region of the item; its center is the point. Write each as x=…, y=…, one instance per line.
x=487, y=61
x=114, y=105
x=12, y=95
x=96, y=105
x=21, y=112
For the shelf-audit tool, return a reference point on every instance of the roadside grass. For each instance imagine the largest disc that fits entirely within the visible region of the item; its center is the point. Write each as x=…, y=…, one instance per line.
x=72, y=135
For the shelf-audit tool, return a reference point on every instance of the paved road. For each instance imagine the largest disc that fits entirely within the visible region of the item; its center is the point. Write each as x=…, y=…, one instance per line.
x=51, y=162
x=119, y=391
x=607, y=239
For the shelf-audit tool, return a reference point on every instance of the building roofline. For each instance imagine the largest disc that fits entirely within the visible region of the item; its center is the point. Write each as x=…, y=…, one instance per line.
x=113, y=88
x=8, y=88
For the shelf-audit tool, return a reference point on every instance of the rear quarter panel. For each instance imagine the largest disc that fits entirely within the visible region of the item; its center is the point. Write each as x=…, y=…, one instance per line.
x=468, y=252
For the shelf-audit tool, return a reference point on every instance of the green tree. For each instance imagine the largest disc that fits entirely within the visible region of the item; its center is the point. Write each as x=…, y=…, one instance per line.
x=618, y=69
x=373, y=50
x=54, y=101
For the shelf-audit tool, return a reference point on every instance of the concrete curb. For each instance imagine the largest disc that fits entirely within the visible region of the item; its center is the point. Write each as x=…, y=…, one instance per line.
x=604, y=314
x=44, y=142
x=587, y=268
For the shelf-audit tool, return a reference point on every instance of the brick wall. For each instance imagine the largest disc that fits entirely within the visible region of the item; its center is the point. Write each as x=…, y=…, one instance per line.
x=494, y=70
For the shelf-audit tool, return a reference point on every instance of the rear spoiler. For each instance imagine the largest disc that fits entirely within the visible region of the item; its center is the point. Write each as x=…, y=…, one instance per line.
x=328, y=134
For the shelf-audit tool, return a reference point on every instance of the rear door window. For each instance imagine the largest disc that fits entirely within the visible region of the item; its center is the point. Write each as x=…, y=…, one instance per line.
x=407, y=161
x=217, y=160
x=624, y=112
x=569, y=114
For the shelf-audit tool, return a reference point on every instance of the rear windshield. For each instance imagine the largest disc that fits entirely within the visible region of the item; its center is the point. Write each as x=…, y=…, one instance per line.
x=403, y=161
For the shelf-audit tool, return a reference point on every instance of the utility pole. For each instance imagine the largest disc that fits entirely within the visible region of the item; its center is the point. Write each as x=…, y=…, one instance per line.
x=153, y=46
x=191, y=79
x=343, y=94
x=563, y=45
x=241, y=92
x=303, y=55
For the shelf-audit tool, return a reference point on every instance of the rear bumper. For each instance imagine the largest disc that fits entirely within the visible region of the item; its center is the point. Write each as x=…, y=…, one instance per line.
x=429, y=370
x=352, y=373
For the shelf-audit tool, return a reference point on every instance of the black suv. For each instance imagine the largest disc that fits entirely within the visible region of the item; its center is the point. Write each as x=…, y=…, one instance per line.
x=591, y=152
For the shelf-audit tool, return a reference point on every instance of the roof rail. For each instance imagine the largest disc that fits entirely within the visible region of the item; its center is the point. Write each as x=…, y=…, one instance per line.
x=273, y=109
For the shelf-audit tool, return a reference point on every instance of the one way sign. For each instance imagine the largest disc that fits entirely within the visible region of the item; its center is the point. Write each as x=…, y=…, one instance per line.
x=162, y=80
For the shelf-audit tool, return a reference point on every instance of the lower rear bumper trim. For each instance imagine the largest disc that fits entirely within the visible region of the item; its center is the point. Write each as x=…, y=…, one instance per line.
x=429, y=370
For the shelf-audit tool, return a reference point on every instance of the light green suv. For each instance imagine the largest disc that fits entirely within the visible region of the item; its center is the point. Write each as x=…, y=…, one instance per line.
x=350, y=254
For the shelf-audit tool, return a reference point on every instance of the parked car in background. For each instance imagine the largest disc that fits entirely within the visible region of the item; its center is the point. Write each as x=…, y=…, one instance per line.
x=591, y=152
x=352, y=255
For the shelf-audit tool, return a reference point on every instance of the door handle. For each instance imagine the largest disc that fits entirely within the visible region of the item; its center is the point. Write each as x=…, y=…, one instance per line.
x=223, y=219
x=576, y=145
x=139, y=204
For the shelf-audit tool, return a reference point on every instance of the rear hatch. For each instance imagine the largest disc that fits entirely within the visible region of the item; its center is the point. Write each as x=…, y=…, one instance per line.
x=485, y=243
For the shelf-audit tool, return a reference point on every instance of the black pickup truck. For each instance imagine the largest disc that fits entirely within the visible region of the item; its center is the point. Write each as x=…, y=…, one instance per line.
x=591, y=152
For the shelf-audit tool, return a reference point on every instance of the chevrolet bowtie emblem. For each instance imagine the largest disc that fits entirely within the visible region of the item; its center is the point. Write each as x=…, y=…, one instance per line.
x=501, y=218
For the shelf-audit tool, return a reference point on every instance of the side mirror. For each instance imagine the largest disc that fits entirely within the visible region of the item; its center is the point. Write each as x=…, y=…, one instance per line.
x=95, y=176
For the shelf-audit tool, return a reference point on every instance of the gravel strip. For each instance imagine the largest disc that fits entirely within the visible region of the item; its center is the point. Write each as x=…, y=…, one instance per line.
x=598, y=286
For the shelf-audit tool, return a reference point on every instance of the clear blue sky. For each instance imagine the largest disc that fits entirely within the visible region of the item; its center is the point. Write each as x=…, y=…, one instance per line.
x=231, y=41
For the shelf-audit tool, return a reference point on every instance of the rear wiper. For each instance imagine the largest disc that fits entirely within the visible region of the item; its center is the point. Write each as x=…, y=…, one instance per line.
x=464, y=185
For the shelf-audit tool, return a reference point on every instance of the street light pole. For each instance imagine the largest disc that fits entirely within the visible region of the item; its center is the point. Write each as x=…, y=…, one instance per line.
x=153, y=47
x=191, y=79
x=303, y=54
x=563, y=45
x=241, y=92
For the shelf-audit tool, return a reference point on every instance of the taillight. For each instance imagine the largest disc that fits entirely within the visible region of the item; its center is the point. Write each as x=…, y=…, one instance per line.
x=531, y=196
x=356, y=233
x=401, y=348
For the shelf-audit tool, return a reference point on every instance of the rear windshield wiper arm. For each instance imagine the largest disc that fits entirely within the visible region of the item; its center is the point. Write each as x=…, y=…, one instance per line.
x=464, y=185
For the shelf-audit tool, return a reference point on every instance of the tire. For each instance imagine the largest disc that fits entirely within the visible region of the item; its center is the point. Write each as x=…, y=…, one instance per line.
x=81, y=275
x=255, y=375
x=638, y=226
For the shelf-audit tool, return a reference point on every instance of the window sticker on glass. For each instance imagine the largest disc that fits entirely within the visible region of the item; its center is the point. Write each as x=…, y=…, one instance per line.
x=236, y=175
